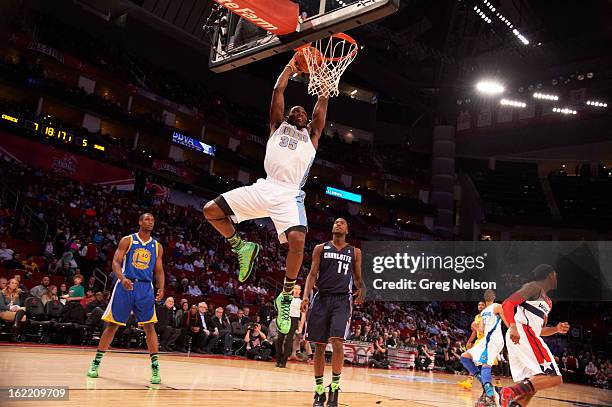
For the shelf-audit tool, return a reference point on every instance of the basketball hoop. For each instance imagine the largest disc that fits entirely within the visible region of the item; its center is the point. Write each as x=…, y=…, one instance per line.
x=327, y=59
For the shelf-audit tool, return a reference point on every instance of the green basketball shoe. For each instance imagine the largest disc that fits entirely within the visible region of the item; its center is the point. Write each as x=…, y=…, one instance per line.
x=283, y=306
x=93, y=370
x=247, y=253
x=155, y=376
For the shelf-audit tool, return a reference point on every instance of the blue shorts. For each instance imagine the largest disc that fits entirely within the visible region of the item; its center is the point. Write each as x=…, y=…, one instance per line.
x=141, y=300
x=329, y=316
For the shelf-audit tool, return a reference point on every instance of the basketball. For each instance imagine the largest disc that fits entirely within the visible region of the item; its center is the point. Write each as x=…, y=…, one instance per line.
x=299, y=61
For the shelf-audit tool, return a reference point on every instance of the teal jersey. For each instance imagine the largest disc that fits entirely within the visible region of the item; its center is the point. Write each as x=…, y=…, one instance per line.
x=140, y=258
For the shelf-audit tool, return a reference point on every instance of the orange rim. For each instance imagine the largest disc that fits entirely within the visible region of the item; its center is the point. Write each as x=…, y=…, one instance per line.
x=341, y=36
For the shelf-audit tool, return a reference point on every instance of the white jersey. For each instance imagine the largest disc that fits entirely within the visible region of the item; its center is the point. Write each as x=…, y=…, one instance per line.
x=289, y=155
x=492, y=323
x=486, y=350
x=534, y=313
x=531, y=356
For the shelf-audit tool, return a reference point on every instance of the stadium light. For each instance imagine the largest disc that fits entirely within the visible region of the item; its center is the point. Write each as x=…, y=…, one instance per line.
x=545, y=96
x=596, y=103
x=565, y=111
x=354, y=92
x=490, y=87
x=512, y=103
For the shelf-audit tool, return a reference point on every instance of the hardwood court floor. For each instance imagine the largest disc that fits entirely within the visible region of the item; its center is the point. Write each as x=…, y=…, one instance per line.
x=198, y=381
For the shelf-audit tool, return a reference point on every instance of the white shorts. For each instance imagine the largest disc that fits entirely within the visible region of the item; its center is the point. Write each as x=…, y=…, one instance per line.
x=269, y=198
x=485, y=352
x=531, y=356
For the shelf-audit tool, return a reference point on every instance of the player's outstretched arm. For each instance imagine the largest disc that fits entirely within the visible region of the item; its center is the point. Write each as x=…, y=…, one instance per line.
x=124, y=245
x=312, y=275
x=560, y=328
x=361, y=289
x=277, y=107
x=159, y=273
x=317, y=125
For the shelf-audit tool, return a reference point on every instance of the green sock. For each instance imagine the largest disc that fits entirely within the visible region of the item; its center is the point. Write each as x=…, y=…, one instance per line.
x=288, y=286
x=154, y=363
x=335, y=384
x=235, y=241
x=319, y=385
x=98, y=357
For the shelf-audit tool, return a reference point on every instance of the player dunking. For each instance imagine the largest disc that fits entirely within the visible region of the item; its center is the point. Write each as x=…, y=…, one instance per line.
x=485, y=351
x=532, y=364
x=474, y=338
x=290, y=152
x=137, y=258
x=334, y=265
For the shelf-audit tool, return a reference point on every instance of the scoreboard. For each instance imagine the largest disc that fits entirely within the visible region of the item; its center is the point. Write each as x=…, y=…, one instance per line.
x=47, y=131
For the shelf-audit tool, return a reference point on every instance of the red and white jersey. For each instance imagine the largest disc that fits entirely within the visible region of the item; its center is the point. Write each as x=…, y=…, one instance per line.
x=534, y=313
x=289, y=155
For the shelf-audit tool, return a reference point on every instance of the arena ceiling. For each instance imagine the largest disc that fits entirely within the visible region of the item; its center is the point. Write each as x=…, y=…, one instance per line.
x=427, y=54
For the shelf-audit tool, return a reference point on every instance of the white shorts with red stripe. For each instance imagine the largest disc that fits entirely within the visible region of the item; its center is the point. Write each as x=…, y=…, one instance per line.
x=531, y=356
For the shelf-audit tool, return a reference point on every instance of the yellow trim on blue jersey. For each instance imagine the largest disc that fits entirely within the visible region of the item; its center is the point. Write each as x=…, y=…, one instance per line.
x=152, y=320
x=109, y=318
x=131, y=241
x=156, y=249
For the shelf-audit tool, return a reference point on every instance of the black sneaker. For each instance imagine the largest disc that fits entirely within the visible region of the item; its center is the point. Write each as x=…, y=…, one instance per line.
x=319, y=400
x=333, y=396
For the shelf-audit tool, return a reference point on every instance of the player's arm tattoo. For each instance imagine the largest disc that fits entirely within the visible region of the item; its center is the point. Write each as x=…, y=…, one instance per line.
x=124, y=244
x=317, y=124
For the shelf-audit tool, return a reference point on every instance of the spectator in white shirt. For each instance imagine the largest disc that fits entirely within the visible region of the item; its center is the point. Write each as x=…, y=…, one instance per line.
x=199, y=263
x=5, y=253
x=194, y=289
x=188, y=267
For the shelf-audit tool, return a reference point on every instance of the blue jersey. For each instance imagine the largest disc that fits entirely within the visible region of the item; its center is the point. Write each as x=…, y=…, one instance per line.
x=140, y=258
x=336, y=270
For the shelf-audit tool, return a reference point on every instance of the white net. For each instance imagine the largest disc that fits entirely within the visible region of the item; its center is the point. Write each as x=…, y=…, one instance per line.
x=327, y=60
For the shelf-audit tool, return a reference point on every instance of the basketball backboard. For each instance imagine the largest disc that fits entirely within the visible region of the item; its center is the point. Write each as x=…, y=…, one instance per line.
x=237, y=42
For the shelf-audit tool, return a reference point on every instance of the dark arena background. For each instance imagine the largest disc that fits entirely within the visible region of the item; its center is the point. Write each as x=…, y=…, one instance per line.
x=459, y=120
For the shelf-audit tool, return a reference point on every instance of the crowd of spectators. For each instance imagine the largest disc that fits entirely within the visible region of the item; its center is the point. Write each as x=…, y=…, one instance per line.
x=585, y=368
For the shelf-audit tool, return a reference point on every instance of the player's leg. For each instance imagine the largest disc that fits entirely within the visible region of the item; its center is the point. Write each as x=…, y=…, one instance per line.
x=289, y=217
x=296, y=237
x=144, y=308
x=528, y=359
x=116, y=314
x=288, y=345
x=280, y=342
x=337, y=363
x=467, y=360
x=238, y=205
x=220, y=218
x=468, y=363
x=152, y=347
x=319, y=371
x=317, y=331
x=339, y=327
